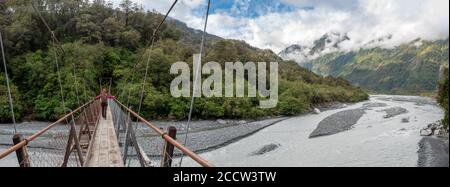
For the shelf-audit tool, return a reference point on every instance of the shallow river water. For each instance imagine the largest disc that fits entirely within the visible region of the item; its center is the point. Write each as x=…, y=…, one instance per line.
x=373, y=140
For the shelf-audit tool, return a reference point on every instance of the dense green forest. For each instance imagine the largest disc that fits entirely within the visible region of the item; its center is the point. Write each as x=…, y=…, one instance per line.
x=99, y=40
x=411, y=68
x=443, y=95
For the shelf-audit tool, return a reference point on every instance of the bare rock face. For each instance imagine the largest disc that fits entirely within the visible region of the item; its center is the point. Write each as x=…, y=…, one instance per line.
x=265, y=149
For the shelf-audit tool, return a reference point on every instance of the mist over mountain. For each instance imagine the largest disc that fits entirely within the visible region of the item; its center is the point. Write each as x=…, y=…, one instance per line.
x=103, y=41
x=329, y=42
x=412, y=68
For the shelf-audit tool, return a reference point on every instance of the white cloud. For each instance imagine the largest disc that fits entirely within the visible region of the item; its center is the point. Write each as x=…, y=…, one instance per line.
x=363, y=20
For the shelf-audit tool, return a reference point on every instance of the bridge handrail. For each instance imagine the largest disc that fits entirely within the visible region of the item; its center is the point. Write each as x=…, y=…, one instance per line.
x=39, y=133
x=166, y=137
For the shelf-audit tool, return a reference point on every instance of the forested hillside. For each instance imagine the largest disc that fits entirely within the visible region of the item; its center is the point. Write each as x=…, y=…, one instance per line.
x=411, y=68
x=103, y=41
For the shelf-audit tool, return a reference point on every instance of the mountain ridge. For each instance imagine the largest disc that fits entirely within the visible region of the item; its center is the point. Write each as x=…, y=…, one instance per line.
x=411, y=68
x=103, y=41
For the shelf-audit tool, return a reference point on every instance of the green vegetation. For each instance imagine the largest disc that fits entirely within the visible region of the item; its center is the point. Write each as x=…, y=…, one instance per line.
x=411, y=68
x=443, y=96
x=5, y=112
x=103, y=41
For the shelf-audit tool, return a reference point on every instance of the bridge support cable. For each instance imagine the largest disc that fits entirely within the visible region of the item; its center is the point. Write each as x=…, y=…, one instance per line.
x=151, y=45
x=149, y=142
x=85, y=122
x=56, y=43
x=197, y=75
x=11, y=105
x=149, y=54
x=59, y=77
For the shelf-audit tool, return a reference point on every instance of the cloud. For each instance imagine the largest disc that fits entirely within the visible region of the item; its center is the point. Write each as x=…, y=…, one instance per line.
x=364, y=21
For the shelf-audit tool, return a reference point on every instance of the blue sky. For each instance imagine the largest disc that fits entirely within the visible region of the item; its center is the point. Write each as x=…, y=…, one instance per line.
x=250, y=8
x=277, y=24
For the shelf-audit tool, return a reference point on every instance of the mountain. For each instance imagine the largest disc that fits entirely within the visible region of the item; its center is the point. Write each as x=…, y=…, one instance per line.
x=327, y=43
x=411, y=68
x=192, y=36
x=103, y=41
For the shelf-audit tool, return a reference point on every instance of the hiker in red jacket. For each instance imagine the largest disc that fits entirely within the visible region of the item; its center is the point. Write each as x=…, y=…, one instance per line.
x=104, y=96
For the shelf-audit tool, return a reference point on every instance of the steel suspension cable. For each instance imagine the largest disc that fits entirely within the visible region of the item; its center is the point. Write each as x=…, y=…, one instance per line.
x=11, y=106
x=144, y=82
x=58, y=44
x=197, y=74
x=59, y=78
x=47, y=26
x=152, y=39
x=150, y=54
x=151, y=43
x=54, y=41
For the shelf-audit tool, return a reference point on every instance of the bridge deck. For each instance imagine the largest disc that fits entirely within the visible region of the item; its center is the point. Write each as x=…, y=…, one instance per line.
x=105, y=151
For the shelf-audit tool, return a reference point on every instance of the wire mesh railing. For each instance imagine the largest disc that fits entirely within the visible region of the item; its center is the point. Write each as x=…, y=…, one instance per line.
x=63, y=143
x=67, y=142
x=145, y=145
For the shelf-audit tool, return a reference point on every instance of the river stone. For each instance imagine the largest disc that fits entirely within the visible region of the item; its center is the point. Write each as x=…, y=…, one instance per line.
x=336, y=123
x=395, y=111
x=221, y=121
x=316, y=111
x=242, y=122
x=405, y=120
x=265, y=149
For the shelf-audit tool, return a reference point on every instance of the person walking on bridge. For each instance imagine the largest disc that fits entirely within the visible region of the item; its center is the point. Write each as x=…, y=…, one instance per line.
x=104, y=96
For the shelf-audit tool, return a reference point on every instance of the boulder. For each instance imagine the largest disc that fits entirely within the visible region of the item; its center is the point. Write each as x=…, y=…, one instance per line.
x=405, y=120
x=265, y=149
x=317, y=111
x=221, y=121
x=242, y=122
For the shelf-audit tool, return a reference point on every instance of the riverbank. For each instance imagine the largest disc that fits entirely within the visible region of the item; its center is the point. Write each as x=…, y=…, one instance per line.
x=433, y=152
x=378, y=137
x=204, y=135
x=382, y=137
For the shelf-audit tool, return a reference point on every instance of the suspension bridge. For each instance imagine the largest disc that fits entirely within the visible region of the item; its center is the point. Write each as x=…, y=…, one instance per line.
x=83, y=138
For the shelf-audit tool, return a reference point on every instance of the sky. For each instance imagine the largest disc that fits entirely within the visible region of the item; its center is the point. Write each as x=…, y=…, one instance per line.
x=277, y=24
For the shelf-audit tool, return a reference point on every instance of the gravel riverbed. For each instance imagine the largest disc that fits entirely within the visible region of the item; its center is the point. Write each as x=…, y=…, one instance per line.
x=345, y=135
x=433, y=152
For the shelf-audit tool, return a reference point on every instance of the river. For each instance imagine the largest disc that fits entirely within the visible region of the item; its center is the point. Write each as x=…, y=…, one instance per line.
x=376, y=139
x=9, y=161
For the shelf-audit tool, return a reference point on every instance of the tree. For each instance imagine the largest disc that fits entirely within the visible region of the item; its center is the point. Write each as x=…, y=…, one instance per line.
x=126, y=6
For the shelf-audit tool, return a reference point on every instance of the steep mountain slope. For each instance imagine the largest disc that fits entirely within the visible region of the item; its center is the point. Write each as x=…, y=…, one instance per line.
x=192, y=36
x=326, y=44
x=411, y=68
x=103, y=41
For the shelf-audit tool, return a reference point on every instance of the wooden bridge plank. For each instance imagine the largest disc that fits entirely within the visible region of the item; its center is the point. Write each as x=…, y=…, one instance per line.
x=105, y=151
